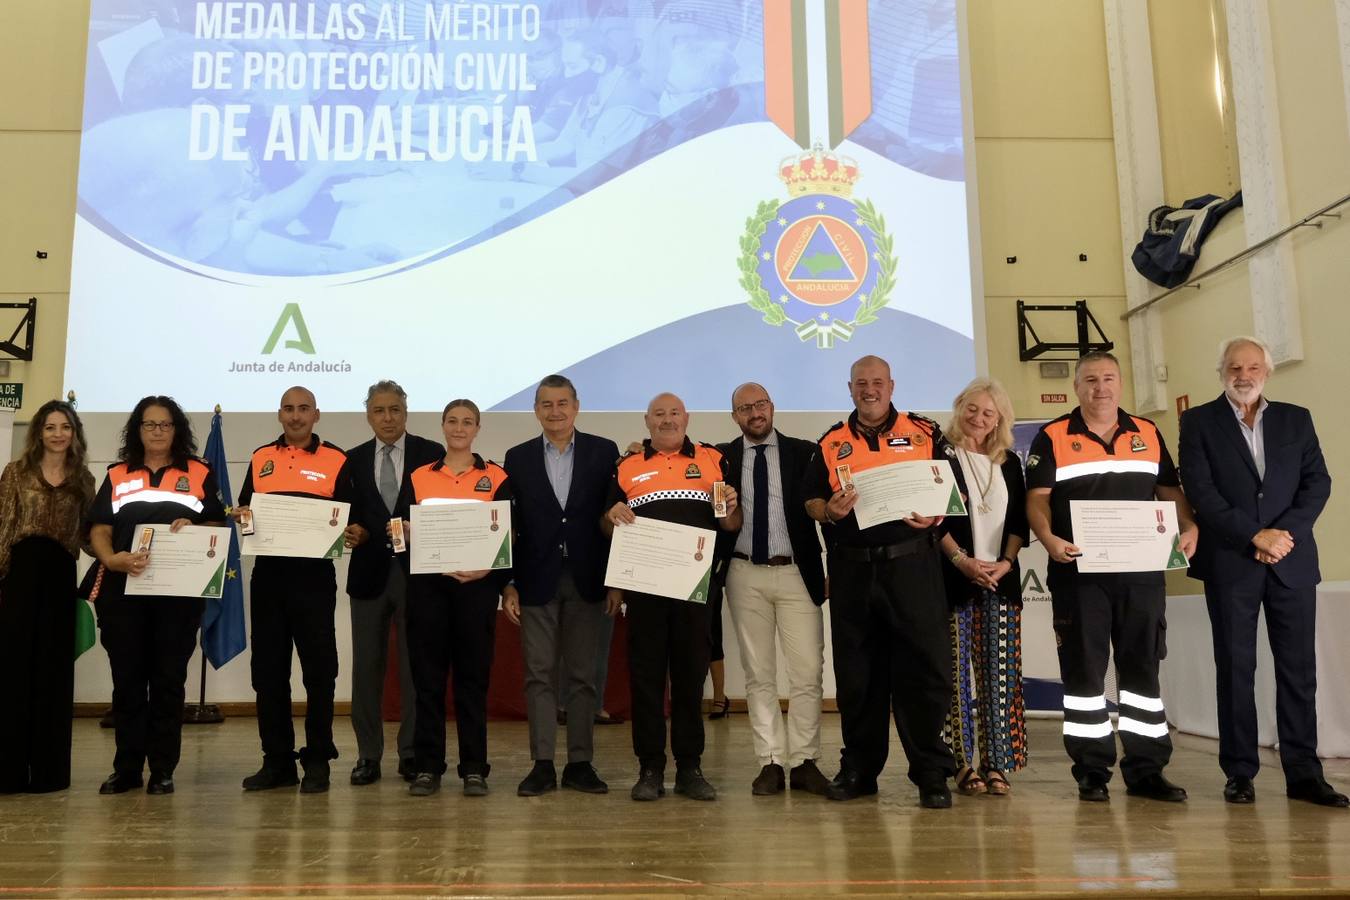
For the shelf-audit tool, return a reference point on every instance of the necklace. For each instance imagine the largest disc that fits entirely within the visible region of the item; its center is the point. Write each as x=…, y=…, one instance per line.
x=983, y=489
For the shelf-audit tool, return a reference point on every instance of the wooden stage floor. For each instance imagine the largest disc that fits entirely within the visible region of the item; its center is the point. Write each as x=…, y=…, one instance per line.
x=211, y=839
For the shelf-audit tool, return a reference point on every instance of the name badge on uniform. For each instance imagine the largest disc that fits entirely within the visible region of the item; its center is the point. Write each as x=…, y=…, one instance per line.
x=898, y=441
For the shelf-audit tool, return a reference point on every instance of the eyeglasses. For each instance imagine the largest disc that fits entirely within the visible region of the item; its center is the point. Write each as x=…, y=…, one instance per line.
x=758, y=406
x=156, y=426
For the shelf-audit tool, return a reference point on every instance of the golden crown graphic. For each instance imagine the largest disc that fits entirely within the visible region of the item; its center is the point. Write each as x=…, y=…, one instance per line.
x=819, y=172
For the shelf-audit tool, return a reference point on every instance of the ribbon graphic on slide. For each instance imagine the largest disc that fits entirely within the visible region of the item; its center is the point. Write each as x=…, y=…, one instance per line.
x=821, y=262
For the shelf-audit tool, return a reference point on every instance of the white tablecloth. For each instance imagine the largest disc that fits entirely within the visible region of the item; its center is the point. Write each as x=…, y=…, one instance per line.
x=1188, y=672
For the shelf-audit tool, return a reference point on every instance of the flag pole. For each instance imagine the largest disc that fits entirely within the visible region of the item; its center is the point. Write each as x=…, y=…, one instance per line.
x=201, y=712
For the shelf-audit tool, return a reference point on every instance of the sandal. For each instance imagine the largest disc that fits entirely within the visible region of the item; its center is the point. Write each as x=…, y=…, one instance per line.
x=996, y=784
x=969, y=782
x=720, y=709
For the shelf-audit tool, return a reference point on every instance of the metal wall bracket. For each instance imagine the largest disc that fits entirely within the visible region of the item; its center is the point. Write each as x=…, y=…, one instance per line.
x=26, y=326
x=1030, y=346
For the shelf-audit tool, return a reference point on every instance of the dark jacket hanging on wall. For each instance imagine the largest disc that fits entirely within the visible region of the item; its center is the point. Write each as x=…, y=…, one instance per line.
x=1171, y=243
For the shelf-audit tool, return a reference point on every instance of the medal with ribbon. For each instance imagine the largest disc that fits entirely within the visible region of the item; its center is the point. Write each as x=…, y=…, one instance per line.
x=821, y=262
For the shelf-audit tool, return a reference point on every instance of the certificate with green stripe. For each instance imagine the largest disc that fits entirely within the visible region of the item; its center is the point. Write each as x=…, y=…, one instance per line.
x=459, y=537
x=662, y=558
x=189, y=562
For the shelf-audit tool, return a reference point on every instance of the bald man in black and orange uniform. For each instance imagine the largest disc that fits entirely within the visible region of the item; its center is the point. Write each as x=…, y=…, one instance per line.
x=671, y=480
x=888, y=606
x=293, y=601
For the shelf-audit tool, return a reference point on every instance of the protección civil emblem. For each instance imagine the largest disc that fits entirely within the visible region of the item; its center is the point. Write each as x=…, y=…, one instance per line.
x=822, y=262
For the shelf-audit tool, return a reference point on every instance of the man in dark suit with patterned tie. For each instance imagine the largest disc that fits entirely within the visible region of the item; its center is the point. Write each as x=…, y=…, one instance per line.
x=377, y=577
x=775, y=586
x=560, y=481
x=1254, y=472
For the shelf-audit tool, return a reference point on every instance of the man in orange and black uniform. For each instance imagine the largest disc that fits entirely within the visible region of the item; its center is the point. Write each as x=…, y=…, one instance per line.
x=293, y=601
x=671, y=479
x=888, y=608
x=1101, y=452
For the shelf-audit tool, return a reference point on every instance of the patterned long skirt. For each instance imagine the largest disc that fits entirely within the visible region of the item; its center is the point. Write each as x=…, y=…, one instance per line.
x=987, y=709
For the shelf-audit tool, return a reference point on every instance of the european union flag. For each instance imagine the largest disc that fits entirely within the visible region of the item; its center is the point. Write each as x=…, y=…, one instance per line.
x=223, y=634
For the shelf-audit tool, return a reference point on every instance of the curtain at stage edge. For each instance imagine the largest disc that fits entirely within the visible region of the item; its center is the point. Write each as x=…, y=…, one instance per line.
x=223, y=630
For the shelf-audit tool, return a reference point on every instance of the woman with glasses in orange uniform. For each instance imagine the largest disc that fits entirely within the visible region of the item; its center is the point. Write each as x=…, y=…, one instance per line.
x=157, y=480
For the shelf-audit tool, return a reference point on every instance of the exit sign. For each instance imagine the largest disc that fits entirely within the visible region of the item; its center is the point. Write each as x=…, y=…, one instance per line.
x=11, y=394
x=1054, y=398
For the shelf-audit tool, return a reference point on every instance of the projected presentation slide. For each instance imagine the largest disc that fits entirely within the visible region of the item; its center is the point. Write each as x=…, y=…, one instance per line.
x=644, y=195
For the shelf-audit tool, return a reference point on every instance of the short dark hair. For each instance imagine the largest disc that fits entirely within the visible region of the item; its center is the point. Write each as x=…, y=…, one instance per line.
x=555, y=381
x=1094, y=356
x=184, y=447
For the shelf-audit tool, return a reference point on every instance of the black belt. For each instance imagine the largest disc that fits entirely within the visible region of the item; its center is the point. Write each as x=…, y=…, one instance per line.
x=884, y=552
x=771, y=561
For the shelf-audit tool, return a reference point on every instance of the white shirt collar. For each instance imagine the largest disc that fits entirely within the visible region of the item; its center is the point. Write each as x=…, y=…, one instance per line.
x=1237, y=410
x=771, y=440
x=397, y=445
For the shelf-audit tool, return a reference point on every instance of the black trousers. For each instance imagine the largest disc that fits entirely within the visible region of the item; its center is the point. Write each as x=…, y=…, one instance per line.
x=892, y=656
x=292, y=605
x=149, y=642
x=667, y=637
x=1092, y=617
x=1291, y=622
x=451, y=628
x=37, y=673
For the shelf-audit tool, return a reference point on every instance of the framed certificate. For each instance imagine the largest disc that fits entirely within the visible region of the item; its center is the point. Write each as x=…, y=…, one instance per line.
x=459, y=537
x=662, y=558
x=189, y=563
x=898, y=490
x=295, y=526
x=1126, y=535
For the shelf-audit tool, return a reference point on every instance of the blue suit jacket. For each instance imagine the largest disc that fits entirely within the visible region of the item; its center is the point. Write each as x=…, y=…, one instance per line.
x=542, y=526
x=1232, y=502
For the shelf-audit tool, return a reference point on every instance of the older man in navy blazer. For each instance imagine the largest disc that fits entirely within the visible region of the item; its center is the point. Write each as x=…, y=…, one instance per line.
x=560, y=481
x=1254, y=472
x=381, y=471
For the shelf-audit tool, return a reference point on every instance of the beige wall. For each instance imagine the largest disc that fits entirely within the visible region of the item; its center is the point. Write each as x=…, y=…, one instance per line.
x=41, y=85
x=1316, y=144
x=1047, y=180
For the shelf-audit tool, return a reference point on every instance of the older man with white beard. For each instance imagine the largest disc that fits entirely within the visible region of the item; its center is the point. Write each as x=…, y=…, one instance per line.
x=1254, y=472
